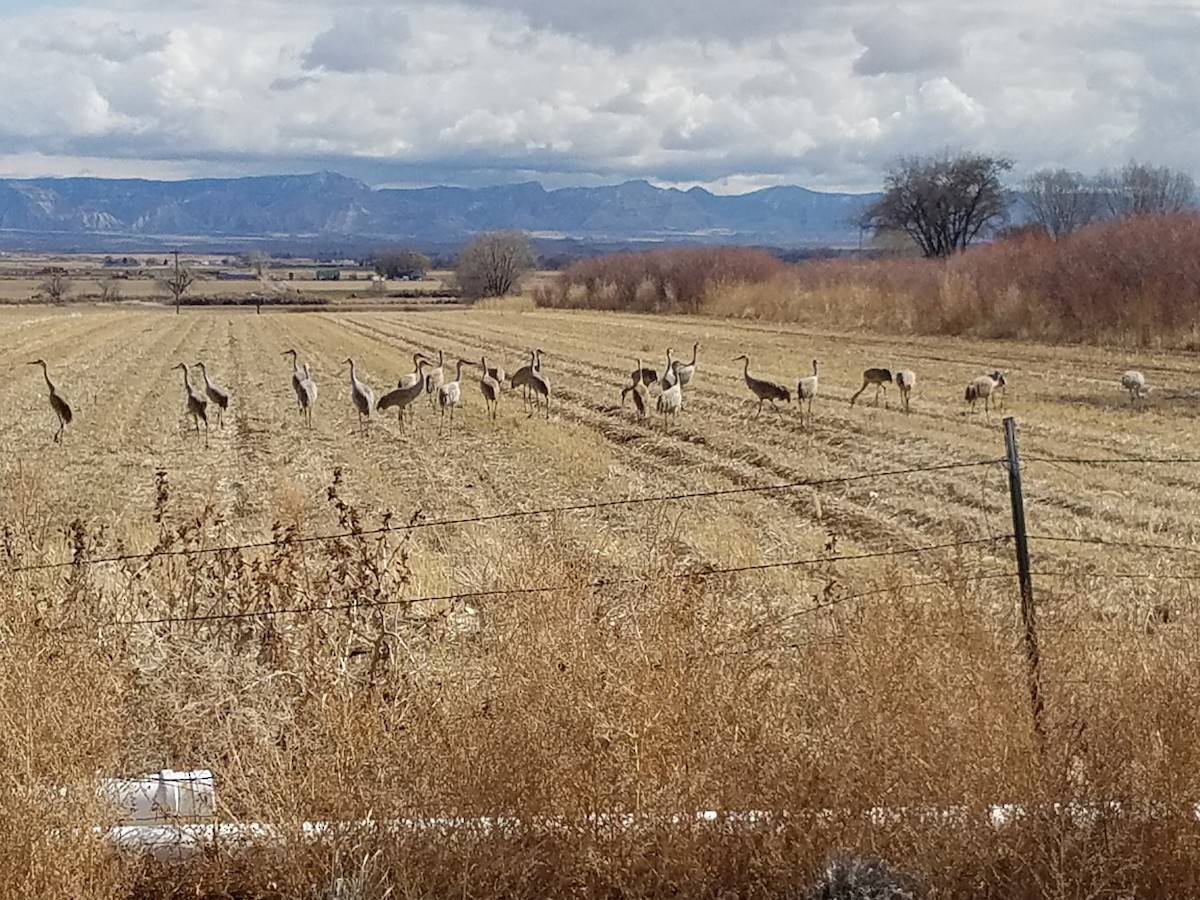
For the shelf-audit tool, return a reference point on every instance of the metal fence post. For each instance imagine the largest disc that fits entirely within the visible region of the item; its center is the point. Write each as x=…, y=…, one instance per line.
x=1028, y=620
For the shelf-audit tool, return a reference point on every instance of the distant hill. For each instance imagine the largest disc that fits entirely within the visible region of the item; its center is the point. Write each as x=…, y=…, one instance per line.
x=331, y=208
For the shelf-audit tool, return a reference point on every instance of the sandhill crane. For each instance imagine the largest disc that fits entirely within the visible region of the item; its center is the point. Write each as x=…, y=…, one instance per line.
x=539, y=386
x=643, y=374
x=669, y=376
x=217, y=395
x=498, y=375
x=413, y=377
x=763, y=390
x=362, y=395
x=297, y=377
x=1134, y=382
x=402, y=397
x=878, y=377
x=685, y=371
x=434, y=379
x=197, y=406
x=450, y=394
x=640, y=398
x=670, y=402
x=307, y=392
x=61, y=408
x=806, y=390
x=489, y=386
x=906, y=380
x=523, y=375
x=983, y=387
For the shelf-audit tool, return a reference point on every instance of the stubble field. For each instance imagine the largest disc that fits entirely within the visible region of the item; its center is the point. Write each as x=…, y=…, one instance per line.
x=848, y=640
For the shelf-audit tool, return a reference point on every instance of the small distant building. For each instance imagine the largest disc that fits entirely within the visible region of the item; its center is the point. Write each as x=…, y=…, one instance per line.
x=329, y=273
x=230, y=275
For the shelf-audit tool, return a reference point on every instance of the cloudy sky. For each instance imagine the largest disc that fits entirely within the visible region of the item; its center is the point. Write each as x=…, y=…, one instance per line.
x=728, y=95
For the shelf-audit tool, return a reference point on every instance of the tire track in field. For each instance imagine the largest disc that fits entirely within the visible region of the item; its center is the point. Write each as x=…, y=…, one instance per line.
x=963, y=500
x=742, y=467
x=855, y=435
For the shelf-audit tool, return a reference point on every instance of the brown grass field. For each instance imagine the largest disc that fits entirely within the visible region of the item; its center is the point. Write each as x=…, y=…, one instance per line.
x=598, y=659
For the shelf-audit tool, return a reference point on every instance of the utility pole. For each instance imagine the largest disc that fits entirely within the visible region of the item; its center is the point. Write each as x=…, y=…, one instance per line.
x=178, y=292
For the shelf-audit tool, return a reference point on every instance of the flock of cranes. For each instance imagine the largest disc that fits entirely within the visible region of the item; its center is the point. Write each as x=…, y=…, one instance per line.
x=430, y=379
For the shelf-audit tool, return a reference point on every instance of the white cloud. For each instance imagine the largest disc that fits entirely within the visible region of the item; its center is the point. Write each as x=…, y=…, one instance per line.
x=895, y=42
x=360, y=41
x=825, y=93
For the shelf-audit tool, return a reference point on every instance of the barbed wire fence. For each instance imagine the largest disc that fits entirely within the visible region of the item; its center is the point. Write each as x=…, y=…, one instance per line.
x=1022, y=573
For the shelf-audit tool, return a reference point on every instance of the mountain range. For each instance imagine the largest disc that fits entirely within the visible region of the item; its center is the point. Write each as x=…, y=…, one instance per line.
x=325, y=206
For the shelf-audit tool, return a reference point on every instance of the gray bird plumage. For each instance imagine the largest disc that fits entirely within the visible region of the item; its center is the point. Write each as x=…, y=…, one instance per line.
x=60, y=407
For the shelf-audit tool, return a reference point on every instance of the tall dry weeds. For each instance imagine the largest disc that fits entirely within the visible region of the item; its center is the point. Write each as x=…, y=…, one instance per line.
x=560, y=742
x=1134, y=282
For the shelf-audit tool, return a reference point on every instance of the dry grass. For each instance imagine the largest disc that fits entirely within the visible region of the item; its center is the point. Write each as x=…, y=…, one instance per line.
x=1127, y=283
x=648, y=697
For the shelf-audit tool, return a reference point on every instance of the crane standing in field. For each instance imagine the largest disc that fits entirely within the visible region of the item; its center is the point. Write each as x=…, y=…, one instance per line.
x=640, y=397
x=415, y=376
x=1134, y=382
x=762, y=389
x=806, y=390
x=643, y=375
x=489, y=386
x=539, y=386
x=362, y=395
x=984, y=387
x=307, y=393
x=686, y=371
x=670, y=402
x=197, y=405
x=217, y=395
x=906, y=380
x=524, y=375
x=297, y=377
x=433, y=381
x=402, y=397
x=450, y=394
x=62, y=409
x=881, y=378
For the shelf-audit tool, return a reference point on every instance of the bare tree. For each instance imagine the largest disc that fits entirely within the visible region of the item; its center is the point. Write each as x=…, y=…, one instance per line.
x=1061, y=201
x=180, y=281
x=493, y=263
x=943, y=203
x=258, y=260
x=56, y=286
x=1142, y=190
x=110, y=290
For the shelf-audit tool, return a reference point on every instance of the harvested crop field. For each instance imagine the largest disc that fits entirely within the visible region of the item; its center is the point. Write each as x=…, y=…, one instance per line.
x=526, y=617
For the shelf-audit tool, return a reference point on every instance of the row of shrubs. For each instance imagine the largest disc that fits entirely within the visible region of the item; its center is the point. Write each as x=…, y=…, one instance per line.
x=1129, y=281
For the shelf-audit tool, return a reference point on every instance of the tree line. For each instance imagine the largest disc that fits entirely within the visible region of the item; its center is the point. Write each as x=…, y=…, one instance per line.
x=944, y=203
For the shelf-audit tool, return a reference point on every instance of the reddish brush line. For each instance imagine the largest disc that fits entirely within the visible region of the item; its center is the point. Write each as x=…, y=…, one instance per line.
x=1134, y=281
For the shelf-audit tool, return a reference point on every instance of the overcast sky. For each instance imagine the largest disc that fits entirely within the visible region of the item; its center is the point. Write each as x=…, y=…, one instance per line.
x=728, y=95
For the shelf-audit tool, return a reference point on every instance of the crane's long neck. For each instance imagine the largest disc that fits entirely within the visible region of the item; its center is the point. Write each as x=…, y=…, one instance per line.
x=353, y=377
x=537, y=360
x=46, y=375
x=204, y=372
x=746, y=368
x=187, y=381
x=458, y=371
x=695, y=347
